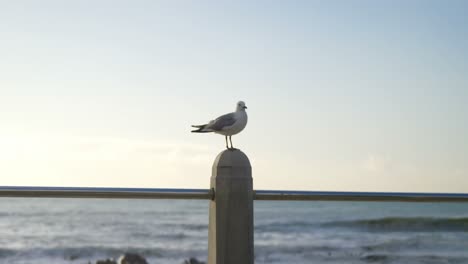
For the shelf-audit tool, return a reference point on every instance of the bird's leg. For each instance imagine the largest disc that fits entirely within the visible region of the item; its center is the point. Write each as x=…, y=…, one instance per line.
x=227, y=146
x=230, y=139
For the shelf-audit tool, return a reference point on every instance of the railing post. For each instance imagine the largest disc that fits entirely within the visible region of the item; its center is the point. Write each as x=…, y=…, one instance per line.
x=230, y=232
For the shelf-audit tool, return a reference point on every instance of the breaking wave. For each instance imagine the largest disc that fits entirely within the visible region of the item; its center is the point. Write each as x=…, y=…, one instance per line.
x=405, y=224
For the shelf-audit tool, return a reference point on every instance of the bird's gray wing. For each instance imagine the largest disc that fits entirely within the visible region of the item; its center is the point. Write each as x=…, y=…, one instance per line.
x=222, y=122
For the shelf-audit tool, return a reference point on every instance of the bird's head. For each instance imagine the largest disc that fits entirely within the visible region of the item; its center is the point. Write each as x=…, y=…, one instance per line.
x=241, y=106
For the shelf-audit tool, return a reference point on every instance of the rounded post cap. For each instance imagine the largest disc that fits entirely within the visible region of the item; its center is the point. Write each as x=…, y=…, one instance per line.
x=231, y=158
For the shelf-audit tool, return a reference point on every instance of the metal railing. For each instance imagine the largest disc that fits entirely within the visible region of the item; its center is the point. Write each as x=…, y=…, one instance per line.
x=113, y=193
x=207, y=194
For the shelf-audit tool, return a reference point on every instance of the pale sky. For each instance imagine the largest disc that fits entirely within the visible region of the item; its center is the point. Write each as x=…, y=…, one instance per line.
x=342, y=95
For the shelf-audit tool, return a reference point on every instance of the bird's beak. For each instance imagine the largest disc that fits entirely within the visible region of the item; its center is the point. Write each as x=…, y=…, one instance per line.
x=245, y=107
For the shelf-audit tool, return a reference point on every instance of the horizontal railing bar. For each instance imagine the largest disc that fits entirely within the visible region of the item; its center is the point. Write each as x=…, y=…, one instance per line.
x=276, y=195
x=96, y=192
x=359, y=196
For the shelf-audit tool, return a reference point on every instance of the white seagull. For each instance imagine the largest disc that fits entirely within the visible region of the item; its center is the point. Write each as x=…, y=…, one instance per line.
x=227, y=125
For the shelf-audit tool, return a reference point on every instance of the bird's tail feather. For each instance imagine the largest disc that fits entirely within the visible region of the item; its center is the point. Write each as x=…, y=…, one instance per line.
x=200, y=129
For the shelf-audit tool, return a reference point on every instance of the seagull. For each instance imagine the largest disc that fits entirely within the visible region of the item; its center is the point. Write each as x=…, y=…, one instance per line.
x=227, y=125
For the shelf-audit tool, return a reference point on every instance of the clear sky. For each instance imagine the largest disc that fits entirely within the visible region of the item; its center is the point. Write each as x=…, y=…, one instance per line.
x=342, y=95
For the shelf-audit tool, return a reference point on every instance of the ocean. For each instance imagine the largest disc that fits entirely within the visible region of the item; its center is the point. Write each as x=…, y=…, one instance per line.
x=72, y=231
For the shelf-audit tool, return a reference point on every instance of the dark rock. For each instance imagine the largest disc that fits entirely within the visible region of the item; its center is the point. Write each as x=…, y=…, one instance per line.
x=72, y=257
x=193, y=261
x=130, y=258
x=375, y=258
x=106, y=261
